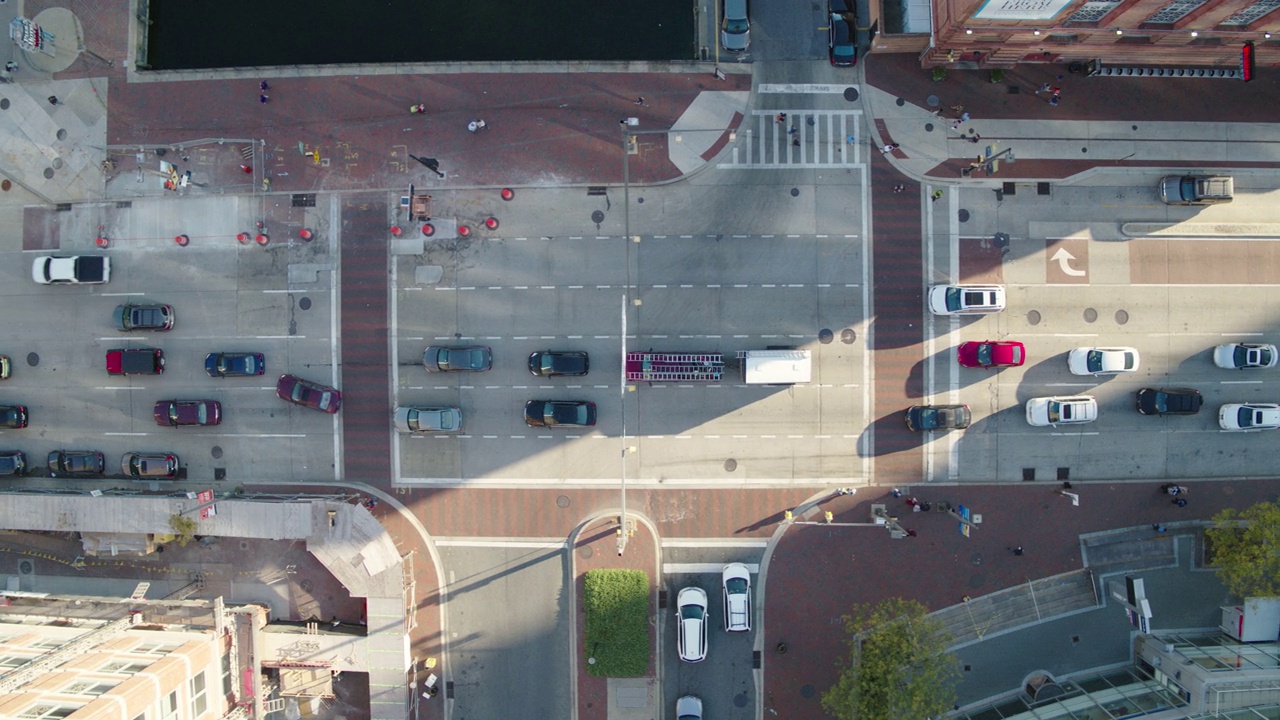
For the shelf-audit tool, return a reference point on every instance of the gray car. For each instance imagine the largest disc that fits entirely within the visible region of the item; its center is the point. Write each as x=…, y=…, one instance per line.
x=464, y=358
x=735, y=29
x=428, y=419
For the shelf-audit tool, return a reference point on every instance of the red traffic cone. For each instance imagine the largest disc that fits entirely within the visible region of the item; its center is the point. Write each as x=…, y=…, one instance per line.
x=182, y=240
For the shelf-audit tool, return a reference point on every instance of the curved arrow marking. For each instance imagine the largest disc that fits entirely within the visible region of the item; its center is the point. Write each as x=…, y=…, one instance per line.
x=1064, y=259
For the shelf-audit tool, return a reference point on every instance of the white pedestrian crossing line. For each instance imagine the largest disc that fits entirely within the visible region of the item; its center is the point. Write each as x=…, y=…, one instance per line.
x=803, y=139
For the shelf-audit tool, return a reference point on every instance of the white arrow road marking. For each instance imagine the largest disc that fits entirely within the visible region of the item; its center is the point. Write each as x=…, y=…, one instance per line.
x=1064, y=259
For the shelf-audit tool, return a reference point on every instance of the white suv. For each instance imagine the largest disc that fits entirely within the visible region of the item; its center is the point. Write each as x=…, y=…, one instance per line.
x=966, y=299
x=691, y=613
x=1045, y=411
x=736, y=583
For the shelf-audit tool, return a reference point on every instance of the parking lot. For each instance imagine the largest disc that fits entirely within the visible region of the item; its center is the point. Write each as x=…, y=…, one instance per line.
x=226, y=297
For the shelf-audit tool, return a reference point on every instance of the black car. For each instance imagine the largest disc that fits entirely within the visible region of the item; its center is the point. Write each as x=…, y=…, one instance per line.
x=938, y=417
x=1169, y=401
x=158, y=318
x=841, y=49
x=83, y=463
x=550, y=363
x=466, y=358
x=235, y=364
x=560, y=413
x=12, y=462
x=13, y=416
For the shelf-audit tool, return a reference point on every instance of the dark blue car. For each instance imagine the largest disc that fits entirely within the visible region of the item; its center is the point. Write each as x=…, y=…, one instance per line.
x=235, y=364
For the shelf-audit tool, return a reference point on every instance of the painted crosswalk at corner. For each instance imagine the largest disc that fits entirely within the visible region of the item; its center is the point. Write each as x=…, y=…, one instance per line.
x=780, y=139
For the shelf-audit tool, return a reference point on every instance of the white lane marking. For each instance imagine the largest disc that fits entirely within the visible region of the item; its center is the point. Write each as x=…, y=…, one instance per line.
x=1239, y=382
x=690, y=568
x=208, y=435
x=714, y=542
x=335, y=339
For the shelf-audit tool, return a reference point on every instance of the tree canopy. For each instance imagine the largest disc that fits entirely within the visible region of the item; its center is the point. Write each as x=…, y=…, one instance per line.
x=898, y=665
x=1245, y=547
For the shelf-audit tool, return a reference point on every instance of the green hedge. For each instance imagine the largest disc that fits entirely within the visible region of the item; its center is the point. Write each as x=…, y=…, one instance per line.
x=616, y=603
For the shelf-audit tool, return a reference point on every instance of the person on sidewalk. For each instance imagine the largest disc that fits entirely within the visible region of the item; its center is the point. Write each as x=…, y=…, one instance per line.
x=1044, y=88
x=889, y=148
x=936, y=196
x=11, y=66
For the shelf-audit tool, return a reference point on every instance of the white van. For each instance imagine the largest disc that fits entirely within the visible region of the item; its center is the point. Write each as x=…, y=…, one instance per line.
x=776, y=366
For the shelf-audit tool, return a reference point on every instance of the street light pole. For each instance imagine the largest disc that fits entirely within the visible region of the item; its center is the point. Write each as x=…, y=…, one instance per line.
x=626, y=300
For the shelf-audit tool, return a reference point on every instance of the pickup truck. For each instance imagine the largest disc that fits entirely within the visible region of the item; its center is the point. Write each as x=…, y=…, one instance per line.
x=79, y=270
x=135, y=361
x=144, y=317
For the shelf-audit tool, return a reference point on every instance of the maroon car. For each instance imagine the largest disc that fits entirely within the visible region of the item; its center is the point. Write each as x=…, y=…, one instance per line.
x=991, y=353
x=308, y=394
x=174, y=413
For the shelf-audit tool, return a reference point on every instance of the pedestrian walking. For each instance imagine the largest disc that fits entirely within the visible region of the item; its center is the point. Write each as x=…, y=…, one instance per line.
x=53, y=100
x=955, y=124
x=781, y=118
x=1056, y=91
x=1158, y=528
x=640, y=100
x=889, y=148
x=1044, y=88
x=964, y=117
x=1173, y=489
x=792, y=130
x=851, y=139
x=1016, y=550
x=896, y=492
x=263, y=98
x=795, y=140
x=975, y=138
x=936, y=196
x=1054, y=100
x=11, y=66
x=1180, y=502
x=263, y=86
x=418, y=109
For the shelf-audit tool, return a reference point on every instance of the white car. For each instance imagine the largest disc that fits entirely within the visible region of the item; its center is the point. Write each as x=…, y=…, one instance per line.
x=1102, y=361
x=1250, y=417
x=736, y=582
x=1045, y=411
x=691, y=612
x=1243, y=356
x=966, y=299
x=689, y=707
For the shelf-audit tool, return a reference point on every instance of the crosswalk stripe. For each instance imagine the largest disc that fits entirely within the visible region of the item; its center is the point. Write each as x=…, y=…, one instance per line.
x=820, y=139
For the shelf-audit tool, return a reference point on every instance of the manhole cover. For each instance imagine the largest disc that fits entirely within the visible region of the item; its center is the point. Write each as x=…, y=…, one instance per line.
x=585, y=552
x=730, y=465
x=26, y=567
x=807, y=691
x=640, y=201
x=62, y=134
x=851, y=94
x=307, y=585
x=848, y=336
x=825, y=336
x=1090, y=315
x=795, y=192
x=4, y=103
x=1122, y=317
x=305, y=303
x=900, y=102
x=216, y=452
x=740, y=700
x=6, y=185
x=33, y=359
x=928, y=127
x=932, y=101
x=597, y=217
x=1033, y=317
x=57, y=163
x=48, y=173
x=562, y=501
x=963, y=215
x=244, y=545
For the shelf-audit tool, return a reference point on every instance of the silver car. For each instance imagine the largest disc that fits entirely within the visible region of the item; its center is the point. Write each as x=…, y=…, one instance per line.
x=428, y=419
x=689, y=707
x=735, y=29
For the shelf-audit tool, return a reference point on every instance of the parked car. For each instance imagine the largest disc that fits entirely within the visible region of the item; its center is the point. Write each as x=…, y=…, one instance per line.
x=12, y=462
x=220, y=365
x=560, y=413
x=76, y=270
x=691, y=612
x=688, y=707
x=1245, y=356
x=175, y=413
x=551, y=363
x=1169, y=401
x=1045, y=411
x=1249, y=417
x=1197, y=189
x=76, y=463
x=991, y=354
x=150, y=466
x=428, y=419
x=294, y=389
x=938, y=417
x=841, y=50
x=466, y=358
x=966, y=299
x=1102, y=361
x=135, y=361
x=155, y=317
x=13, y=416
x=736, y=586
x=735, y=28
x=5, y=365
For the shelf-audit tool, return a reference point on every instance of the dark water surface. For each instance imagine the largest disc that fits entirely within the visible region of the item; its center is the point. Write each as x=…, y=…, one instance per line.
x=188, y=34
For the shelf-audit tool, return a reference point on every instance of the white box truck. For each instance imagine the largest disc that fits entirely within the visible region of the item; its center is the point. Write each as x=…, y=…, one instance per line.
x=776, y=366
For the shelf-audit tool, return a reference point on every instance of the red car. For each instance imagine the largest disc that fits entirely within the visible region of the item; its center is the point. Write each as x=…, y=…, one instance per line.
x=308, y=394
x=992, y=353
x=173, y=413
